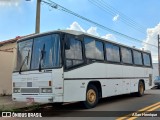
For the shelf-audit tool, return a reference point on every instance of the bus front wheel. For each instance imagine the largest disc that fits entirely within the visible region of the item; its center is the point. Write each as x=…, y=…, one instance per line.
x=140, y=89
x=91, y=97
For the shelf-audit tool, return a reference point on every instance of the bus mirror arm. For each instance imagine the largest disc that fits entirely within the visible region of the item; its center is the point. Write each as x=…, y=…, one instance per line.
x=42, y=56
x=40, y=61
x=26, y=58
x=22, y=64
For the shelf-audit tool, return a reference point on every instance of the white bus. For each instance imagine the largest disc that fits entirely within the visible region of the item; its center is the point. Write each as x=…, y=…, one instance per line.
x=69, y=66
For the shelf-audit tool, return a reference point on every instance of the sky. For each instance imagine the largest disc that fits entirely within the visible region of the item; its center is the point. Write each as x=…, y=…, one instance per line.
x=139, y=19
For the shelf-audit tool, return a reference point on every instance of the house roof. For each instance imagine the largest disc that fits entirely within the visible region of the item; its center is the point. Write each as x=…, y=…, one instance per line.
x=13, y=40
x=8, y=41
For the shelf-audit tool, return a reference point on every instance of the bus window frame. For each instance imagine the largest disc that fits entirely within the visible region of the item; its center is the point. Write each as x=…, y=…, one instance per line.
x=86, y=61
x=132, y=64
x=66, y=38
x=149, y=59
x=40, y=35
x=141, y=58
x=95, y=39
x=119, y=49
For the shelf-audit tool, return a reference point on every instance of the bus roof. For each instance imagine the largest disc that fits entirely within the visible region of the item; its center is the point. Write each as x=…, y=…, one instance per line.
x=78, y=33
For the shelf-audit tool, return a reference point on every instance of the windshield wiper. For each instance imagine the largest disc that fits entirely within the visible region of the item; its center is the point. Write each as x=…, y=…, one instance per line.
x=42, y=56
x=26, y=58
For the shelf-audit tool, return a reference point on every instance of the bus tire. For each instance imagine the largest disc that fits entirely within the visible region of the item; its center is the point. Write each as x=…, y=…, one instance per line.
x=140, y=89
x=91, y=97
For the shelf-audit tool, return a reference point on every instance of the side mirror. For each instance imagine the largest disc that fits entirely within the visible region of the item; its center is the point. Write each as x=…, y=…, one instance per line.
x=67, y=44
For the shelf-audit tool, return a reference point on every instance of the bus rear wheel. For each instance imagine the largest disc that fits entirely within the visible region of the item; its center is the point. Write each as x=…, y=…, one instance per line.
x=140, y=89
x=91, y=97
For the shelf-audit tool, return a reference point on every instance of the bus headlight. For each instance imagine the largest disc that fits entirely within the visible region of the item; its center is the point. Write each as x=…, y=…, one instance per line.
x=46, y=90
x=16, y=90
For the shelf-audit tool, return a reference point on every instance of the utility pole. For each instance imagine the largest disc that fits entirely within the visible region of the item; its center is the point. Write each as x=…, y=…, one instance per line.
x=158, y=55
x=37, y=29
x=38, y=10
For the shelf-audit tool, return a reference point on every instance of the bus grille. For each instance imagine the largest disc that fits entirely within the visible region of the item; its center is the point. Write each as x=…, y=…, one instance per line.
x=29, y=90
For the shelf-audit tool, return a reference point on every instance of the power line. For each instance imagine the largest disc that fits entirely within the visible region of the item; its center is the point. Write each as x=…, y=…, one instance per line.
x=59, y=7
x=112, y=11
x=125, y=16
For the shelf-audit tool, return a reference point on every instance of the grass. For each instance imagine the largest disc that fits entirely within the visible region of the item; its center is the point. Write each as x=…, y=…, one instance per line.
x=3, y=108
x=13, y=109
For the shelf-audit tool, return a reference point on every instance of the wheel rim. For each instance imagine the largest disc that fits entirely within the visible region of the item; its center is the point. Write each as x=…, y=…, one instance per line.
x=141, y=89
x=91, y=96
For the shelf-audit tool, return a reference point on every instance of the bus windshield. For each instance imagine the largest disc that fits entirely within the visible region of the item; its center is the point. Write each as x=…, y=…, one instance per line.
x=41, y=51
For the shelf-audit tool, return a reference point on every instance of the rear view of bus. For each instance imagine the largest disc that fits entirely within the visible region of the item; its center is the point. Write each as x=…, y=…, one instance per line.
x=38, y=73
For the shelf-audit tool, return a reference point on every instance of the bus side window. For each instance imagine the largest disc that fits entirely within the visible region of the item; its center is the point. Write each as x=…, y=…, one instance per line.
x=73, y=53
x=93, y=49
x=112, y=52
x=126, y=55
x=137, y=57
x=146, y=59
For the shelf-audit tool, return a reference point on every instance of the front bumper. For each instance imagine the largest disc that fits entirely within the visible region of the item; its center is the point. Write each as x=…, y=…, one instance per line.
x=37, y=98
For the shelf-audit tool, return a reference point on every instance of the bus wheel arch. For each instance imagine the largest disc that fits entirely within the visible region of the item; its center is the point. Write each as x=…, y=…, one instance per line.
x=142, y=82
x=97, y=84
x=141, y=88
x=93, y=93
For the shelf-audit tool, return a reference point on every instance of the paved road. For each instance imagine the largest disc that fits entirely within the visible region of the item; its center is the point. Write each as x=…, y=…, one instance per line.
x=112, y=107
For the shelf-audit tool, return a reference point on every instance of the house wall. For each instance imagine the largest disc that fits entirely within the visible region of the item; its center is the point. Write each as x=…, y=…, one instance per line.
x=155, y=70
x=7, y=60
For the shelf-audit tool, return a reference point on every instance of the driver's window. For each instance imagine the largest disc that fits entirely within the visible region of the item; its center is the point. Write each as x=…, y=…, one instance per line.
x=46, y=52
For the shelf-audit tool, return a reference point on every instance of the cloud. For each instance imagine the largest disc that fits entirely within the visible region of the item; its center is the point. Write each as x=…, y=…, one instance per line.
x=152, y=39
x=9, y=3
x=115, y=18
x=76, y=26
x=109, y=37
x=93, y=31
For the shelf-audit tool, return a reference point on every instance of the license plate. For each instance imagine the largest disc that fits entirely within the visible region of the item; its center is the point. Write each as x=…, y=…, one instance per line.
x=30, y=100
